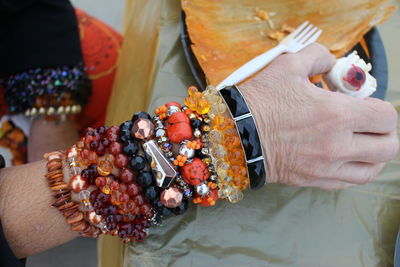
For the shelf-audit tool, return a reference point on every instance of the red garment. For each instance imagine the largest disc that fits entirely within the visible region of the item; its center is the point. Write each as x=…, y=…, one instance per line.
x=100, y=48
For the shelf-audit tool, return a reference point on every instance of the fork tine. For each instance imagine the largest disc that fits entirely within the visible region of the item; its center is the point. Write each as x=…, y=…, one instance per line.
x=304, y=32
x=299, y=29
x=313, y=38
x=307, y=36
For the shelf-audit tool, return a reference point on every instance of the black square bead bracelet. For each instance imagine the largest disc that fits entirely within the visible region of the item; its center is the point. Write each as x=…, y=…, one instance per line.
x=248, y=132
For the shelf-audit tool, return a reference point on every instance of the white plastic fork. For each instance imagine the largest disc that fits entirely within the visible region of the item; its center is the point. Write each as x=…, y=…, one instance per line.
x=304, y=35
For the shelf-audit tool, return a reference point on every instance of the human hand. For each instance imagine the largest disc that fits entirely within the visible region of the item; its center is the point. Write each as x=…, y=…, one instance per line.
x=48, y=136
x=314, y=137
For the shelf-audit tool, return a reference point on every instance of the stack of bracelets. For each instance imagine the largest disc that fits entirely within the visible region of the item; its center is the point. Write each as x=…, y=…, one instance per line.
x=51, y=93
x=126, y=179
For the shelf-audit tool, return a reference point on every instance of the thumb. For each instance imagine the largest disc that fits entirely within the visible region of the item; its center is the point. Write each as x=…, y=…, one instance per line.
x=316, y=59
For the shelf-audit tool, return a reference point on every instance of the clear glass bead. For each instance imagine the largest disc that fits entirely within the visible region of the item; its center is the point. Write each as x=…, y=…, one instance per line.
x=218, y=151
x=84, y=194
x=222, y=173
x=219, y=108
x=215, y=137
x=222, y=164
x=222, y=189
x=210, y=90
x=235, y=196
x=102, y=226
x=75, y=170
x=213, y=99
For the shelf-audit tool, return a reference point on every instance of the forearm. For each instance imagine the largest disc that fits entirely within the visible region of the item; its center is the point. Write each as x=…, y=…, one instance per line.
x=29, y=223
x=48, y=136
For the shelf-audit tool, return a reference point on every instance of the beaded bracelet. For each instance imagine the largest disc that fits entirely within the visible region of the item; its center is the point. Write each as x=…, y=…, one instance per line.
x=52, y=93
x=226, y=150
x=247, y=128
x=62, y=194
x=129, y=178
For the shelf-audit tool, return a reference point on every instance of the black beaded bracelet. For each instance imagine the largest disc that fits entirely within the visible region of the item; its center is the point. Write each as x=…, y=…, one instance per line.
x=42, y=90
x=247, y=129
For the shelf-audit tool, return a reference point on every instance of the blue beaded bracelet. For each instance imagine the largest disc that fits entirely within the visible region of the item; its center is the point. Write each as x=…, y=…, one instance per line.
x=248, y=132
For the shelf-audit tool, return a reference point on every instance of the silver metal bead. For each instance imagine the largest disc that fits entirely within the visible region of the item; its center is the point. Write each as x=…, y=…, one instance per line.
x=68, y=109
x=202, y=189
x=186, y=151
x=172, y=109
x=160, y=133
x=192, y=116
x=197, y=133
x=27, y=113
x=205, y=151
x=213, y=177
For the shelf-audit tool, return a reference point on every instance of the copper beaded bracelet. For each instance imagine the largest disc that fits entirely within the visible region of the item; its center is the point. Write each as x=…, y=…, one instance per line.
x=62, y=194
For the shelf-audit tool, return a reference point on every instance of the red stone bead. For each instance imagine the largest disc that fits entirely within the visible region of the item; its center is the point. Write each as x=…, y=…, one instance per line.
x=133, y=189
x=195, y=173
x=127, y=175
x=121, y=160
x=115, y=148
x=173, y=103
x=179, y=128
x=210, y=199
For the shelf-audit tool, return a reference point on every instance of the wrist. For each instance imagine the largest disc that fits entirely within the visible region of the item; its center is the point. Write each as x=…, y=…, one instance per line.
x=261, y=111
